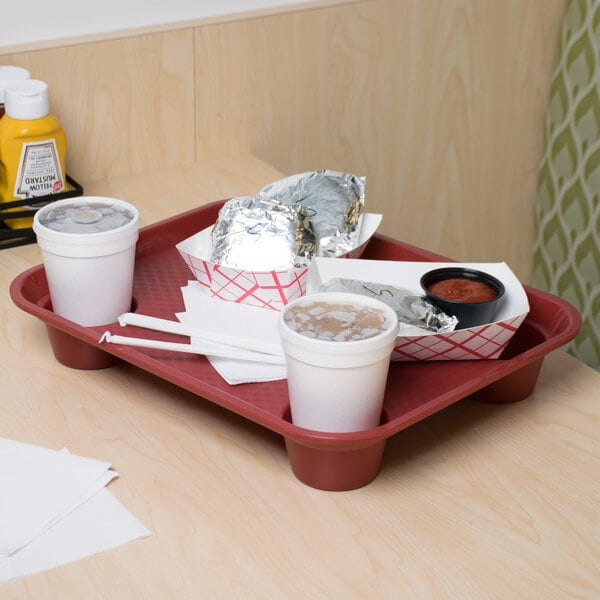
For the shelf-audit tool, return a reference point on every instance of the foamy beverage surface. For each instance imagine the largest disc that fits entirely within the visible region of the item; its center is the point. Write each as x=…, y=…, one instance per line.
x=336, y=322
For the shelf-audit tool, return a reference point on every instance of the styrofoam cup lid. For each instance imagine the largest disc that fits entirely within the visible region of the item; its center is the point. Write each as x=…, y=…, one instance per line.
x=85, y=225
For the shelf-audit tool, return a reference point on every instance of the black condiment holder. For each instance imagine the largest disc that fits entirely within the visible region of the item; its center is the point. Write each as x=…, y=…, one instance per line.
x=9, y=238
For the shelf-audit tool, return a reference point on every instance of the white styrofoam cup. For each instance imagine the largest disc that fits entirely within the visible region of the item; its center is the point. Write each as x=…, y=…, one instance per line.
x=89, y=269
x=337, y=386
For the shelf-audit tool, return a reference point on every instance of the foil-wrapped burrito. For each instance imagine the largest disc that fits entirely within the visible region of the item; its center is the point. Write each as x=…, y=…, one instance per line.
x=262, y=234
x=334, y=201
x=291, y=220
x=411, y=308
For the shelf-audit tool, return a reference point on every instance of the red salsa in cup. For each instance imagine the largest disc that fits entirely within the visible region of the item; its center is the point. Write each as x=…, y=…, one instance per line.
x=459, y=289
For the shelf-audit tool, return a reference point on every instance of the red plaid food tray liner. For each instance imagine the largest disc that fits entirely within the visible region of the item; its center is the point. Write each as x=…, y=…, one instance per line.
x=269, y=289
x=476, y=343
x=483, y=342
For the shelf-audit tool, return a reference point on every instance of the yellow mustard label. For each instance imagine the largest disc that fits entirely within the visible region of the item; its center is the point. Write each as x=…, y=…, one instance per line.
x=32, y=161
x=39, y=172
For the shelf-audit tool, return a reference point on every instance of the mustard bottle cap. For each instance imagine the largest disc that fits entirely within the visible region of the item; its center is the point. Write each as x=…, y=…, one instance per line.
x=9, y=73
x=27, y=99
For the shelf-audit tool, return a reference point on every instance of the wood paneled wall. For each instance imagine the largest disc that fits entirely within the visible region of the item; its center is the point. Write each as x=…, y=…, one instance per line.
x=440, y=103
x=127, y=105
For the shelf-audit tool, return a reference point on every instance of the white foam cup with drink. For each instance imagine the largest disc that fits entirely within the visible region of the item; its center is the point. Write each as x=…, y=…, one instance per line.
x=88, y=248
x=337, y=351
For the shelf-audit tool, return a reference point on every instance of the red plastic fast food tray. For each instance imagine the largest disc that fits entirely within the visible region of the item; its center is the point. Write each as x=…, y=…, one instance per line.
x=331, y=461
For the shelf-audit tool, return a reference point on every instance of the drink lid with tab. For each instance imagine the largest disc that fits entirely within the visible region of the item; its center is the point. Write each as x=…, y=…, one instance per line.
x=87, y=217
x=86, y=226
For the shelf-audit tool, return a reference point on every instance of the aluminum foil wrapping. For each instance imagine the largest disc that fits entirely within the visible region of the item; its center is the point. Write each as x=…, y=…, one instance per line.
x=262, y=234
x=411, y=308
x=334, y=202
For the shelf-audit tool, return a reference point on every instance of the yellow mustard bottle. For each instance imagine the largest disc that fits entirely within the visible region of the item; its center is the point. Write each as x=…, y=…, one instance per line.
x=33, y=147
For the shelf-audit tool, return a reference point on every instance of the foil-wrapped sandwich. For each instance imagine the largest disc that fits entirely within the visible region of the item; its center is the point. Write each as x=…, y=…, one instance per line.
x=262, y=234
x=411, y=308
x=334, y=201
x=290, y=221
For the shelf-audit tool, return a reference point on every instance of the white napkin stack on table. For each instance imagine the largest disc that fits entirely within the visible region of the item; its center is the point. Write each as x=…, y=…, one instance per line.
x=54, y=509
x=221, y=316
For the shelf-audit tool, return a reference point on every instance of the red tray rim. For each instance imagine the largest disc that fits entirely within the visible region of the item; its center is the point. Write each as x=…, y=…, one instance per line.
x=226, y=396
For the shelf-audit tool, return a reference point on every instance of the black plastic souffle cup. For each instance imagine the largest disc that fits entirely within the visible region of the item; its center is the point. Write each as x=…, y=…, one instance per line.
x=469, y=314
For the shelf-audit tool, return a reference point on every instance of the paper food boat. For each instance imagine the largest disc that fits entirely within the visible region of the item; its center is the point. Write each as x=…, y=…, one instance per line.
x=483, y=342
x=271, y=289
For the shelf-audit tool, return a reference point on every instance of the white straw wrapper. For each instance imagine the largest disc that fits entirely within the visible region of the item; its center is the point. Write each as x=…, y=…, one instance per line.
x=206, y=348
x=222, y=339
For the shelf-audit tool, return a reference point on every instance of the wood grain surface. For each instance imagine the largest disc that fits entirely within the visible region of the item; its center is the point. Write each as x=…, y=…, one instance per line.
x=477, y=501
x=439, y=103
x=127, y=105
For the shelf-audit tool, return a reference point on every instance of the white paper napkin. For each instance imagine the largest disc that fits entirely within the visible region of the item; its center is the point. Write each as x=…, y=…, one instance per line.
x=221, y=316
x=100, y=524
x=54, y=508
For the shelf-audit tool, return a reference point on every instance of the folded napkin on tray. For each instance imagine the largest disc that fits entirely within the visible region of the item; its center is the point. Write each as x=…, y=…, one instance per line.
x=54, y=509
x=254, y=323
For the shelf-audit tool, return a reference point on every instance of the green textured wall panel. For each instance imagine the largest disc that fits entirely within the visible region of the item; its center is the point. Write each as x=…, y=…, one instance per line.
x=567, y=251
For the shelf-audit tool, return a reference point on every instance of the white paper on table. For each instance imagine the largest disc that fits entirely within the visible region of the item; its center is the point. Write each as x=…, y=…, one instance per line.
x=54, y=508
x=221, y=316
x=38, y=486
x=100, y=524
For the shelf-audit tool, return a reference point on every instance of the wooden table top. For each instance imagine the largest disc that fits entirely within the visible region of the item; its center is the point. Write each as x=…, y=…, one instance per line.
x=477, y=501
